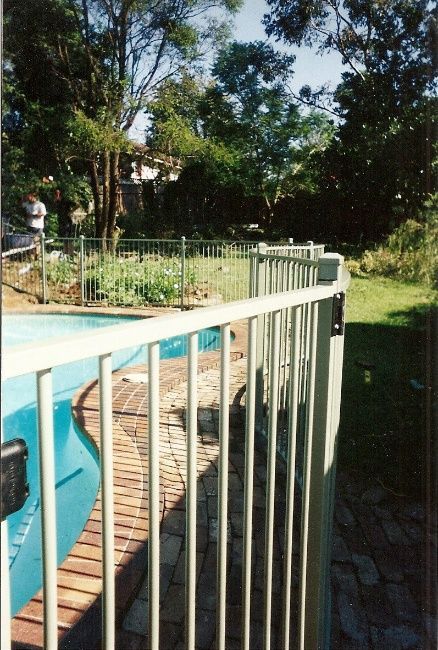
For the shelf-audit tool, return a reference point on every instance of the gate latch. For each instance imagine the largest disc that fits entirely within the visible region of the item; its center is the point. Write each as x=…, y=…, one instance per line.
x=338, y=317
x=14, y=485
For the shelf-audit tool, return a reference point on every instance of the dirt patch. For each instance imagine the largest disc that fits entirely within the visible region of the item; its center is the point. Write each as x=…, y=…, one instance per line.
x=12, y=299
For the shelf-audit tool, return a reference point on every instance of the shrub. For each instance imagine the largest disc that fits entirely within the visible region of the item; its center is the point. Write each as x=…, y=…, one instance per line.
x=409, y=253
x=354, y=267
x=135, y=282
x=61, y=272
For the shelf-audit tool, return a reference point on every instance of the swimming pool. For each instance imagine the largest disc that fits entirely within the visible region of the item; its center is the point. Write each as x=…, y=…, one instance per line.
x=77, y=468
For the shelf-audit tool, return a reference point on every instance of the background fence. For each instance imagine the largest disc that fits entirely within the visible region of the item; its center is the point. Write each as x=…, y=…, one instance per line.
x=180, y=273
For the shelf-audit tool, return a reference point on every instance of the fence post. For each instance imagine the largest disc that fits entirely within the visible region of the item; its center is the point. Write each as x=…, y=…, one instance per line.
x=82, y=269
x=315, y=569
x=311, y=253
x=260, y=289
x=183, y=270
x=43, y=267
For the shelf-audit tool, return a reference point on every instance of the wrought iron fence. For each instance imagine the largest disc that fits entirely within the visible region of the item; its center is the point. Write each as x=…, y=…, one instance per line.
x=180, y=273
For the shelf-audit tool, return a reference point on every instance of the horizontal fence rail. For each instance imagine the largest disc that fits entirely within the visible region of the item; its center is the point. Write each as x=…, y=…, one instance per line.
x=135, y=272
x=22, y=263
x=304, y=374
x=309, y=250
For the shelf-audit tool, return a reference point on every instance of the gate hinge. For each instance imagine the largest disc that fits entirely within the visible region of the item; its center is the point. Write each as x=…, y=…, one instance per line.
x=338, y=318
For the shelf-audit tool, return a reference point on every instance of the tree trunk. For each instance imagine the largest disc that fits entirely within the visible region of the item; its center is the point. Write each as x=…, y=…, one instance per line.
x=103, y=232
x=269, y=211
x=96, y=197
x=114, y=177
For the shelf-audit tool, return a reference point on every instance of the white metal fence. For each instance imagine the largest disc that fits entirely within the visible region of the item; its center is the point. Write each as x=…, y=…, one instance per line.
x=271, y=273
x=288, y=322
x=134, y=272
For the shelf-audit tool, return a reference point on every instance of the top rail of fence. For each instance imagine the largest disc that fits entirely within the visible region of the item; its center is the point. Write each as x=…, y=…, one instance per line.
x=48, y=354
x=290, y=258
x=308, y=249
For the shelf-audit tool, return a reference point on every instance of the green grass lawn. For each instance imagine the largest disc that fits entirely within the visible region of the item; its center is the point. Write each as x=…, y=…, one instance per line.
x=382, y=415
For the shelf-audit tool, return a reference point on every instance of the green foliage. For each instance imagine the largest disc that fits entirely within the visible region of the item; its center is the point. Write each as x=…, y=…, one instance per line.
x=61, y=273
x=409, y=253
x=134, y=282
x=90, y=135
x=51, y=225
x=75, y=189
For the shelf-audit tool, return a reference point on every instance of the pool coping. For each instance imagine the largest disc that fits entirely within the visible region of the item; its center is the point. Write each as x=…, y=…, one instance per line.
x=79, y=575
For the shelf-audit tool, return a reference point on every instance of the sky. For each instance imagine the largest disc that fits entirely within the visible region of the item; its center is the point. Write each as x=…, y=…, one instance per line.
x=310, y=67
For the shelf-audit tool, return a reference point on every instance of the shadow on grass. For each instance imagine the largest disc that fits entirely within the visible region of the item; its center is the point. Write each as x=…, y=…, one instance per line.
x=383, y=412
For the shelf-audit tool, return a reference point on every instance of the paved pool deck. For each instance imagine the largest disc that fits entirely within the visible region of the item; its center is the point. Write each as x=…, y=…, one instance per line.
x=384, y=546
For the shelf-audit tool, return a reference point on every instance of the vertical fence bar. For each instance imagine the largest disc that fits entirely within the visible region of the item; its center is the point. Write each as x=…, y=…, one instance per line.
x=260, y=290
x=249, y=480
x=315, y=617
x=294, y=365
x=107, y=482
x=221, y=593
x=270, y=478
x=5, y=632
x=208, y=285
x=192, y=426
x=82, y=269
x=302, y=631
x=154, y=492
x=251, y=282
x=183, y=269
x=48, y=506
x=43, y=267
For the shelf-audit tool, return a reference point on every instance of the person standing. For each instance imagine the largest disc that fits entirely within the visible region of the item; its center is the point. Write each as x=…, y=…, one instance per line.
x=35, y=212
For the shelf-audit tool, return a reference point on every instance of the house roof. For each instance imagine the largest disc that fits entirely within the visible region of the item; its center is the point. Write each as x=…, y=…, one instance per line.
x=143, y=151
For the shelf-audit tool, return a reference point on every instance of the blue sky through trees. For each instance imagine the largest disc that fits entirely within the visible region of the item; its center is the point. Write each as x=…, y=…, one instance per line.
x=310, y=68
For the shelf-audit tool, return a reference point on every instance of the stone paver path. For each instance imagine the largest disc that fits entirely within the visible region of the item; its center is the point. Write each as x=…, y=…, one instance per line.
x=380, y=568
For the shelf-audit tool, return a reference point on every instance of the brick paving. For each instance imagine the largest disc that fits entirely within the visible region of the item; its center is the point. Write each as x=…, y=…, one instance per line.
x=383, y=572
x=379, y=572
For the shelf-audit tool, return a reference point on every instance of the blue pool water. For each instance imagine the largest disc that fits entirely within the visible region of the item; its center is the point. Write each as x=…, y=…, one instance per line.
x=77, y=469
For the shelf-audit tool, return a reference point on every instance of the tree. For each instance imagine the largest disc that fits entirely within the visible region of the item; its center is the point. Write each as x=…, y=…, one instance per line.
x=36, y=110
x=209, y=165
x=372, y=36
x=379, y=163
x=101, y=60
x=240, y=133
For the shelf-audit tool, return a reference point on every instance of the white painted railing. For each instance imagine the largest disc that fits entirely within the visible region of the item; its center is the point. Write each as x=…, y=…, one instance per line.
x=319, y=393
x=309, y=250
x=271, y=273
